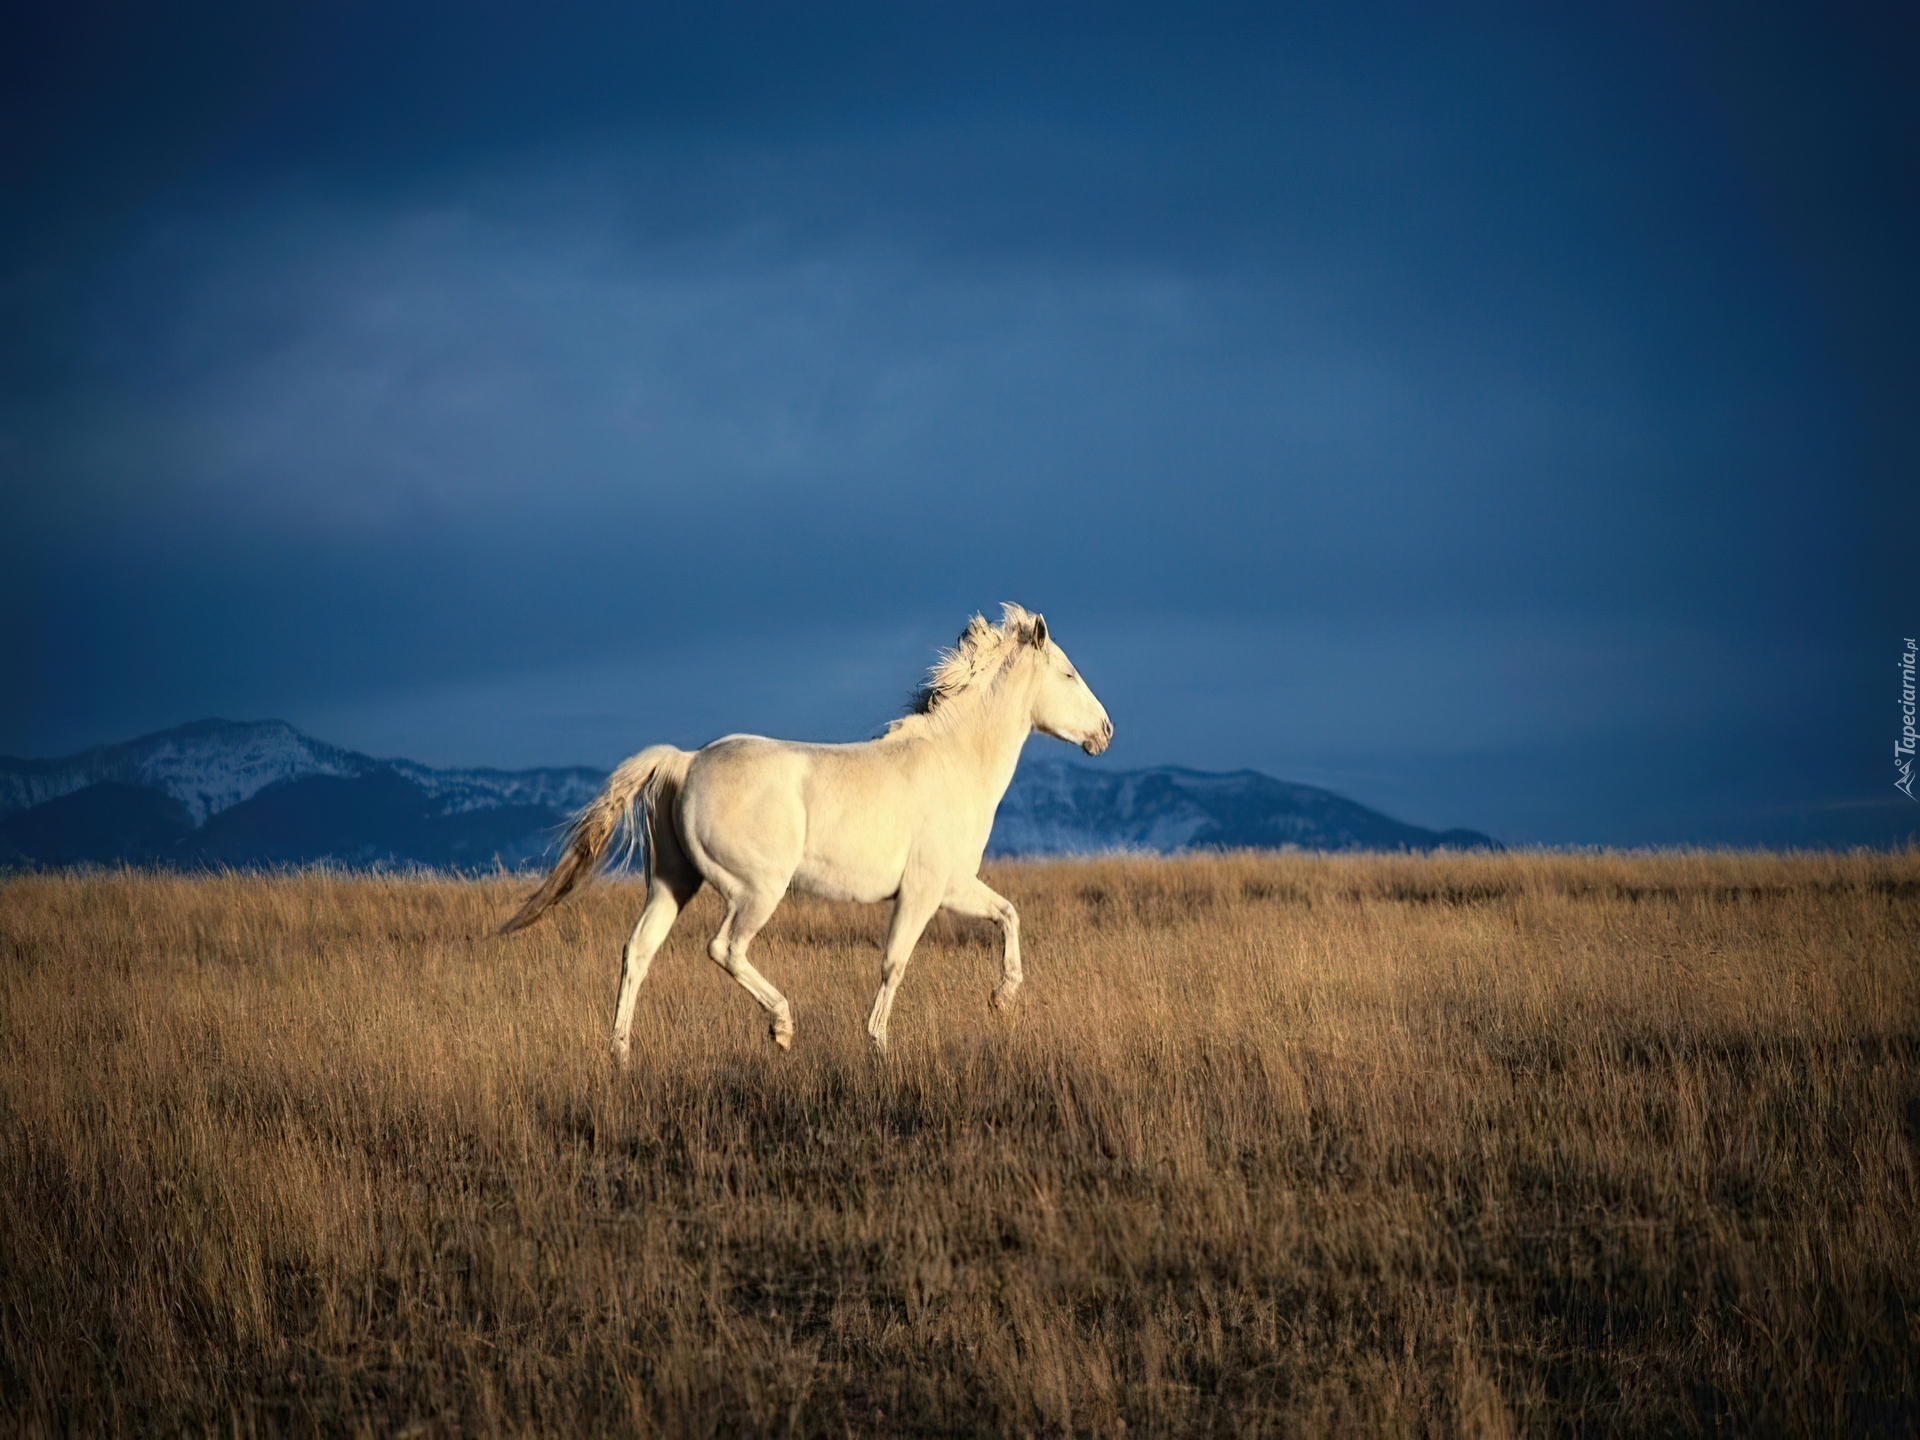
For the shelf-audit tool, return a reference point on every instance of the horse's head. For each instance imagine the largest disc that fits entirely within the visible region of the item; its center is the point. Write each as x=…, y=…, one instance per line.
x=1063, y=706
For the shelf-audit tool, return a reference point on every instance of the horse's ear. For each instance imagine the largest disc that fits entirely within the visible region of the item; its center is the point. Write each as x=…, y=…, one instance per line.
x=1039, y=632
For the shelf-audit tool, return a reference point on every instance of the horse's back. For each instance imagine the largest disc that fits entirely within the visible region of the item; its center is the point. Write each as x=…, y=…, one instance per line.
x=833, y=820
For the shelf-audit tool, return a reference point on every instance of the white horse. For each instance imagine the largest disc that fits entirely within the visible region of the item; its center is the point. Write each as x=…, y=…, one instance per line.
x=903, y=817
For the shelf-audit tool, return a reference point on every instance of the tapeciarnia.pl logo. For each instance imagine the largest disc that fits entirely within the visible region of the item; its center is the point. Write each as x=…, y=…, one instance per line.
x=1903, y=747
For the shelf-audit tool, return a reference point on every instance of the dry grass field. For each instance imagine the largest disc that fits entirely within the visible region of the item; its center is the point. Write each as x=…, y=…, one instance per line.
x=1289, y=1145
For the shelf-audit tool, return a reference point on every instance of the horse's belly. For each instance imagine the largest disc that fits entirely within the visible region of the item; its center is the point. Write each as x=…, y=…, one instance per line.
x=850, y=867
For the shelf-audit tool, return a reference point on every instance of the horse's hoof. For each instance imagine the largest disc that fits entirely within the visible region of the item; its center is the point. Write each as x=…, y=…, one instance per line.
x=617, y=1052
x=782, y=1032
x=1002, y=998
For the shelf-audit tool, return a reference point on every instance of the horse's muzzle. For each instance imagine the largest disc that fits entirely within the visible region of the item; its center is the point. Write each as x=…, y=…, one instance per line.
x=1099, y=741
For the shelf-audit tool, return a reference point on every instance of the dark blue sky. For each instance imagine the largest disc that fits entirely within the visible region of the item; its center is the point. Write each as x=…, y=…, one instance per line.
x=1504, y=418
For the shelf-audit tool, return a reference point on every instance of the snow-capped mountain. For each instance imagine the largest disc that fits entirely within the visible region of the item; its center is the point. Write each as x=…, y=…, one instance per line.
x=1058, y=807
x=221, y=793
x=208, y=766
x=212, y=765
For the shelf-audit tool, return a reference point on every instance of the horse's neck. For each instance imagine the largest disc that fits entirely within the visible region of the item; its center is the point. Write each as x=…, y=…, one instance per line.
x=991, y=736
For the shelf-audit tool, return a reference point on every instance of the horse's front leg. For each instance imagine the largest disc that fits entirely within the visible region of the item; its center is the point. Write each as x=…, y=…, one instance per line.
x=972, y=897
x=912, y=908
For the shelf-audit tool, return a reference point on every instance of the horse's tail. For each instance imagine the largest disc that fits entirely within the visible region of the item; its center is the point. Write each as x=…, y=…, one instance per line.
x=653, y=779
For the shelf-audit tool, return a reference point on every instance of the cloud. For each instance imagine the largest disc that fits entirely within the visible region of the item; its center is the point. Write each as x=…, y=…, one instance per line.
x=508, y=378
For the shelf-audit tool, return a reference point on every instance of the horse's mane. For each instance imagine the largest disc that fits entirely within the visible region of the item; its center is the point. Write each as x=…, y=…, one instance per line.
x=976, y=660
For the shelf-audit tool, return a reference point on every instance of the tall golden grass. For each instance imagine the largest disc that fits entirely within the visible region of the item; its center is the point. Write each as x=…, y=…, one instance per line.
x=1294, y=1145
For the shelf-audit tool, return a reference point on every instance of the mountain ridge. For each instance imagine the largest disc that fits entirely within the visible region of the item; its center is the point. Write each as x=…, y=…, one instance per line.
x=246, y=794
x=1059, y=807
x=211, y=765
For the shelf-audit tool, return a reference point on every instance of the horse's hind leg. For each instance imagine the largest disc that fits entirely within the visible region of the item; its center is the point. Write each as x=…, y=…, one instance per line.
x=747, y=910
x=672, y=880
x=666, y=894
